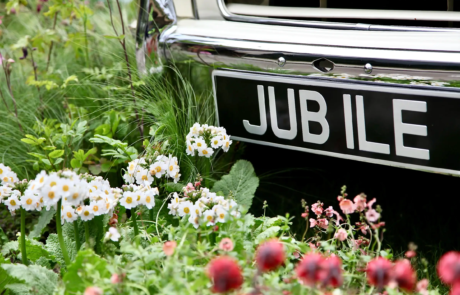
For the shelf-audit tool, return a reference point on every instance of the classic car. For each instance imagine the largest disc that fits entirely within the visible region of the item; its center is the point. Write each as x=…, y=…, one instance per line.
x=372, y=81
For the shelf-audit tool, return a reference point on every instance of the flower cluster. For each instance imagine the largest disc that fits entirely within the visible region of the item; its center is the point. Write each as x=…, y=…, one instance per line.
x=144, y=171
x=323, y=216
x=7, y=175
x=381, y=273
x=317, y=270
x=203, y=206
x=135, y=195
x=206, y=139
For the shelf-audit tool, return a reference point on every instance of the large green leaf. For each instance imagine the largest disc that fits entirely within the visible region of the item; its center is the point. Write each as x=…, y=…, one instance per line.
x=74, y=283
x=54, y=249
x=242, y=182
x=42, y=280
x=35, y=250
x=43, y=221
x=5, y=279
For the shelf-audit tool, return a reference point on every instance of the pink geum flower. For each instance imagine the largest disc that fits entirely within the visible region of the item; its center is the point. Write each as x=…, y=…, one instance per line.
x=226, y=244
x=93, y=291
x=313, y=222
x=330, y=273
x=379, y=272
x=323, y=223
x=270, y=255
x=341, y=235
x=372, y=215
x=169, y=247
x=360, y=202
x=422, y=287
x=449, y=268
x=308, y=269
x=317, y=208
x=225, y=274
x=404, y=275
x=347, y=206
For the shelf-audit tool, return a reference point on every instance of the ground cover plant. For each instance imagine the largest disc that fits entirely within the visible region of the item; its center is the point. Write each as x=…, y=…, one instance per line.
x=112, y=183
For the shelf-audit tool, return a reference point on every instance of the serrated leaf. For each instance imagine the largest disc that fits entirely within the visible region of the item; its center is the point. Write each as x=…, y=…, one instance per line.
x=268, y=233
x=56, y=154
x=35, y=250
x=54, y=249
x=10, y=246
x=43, y=280
x=43, y=221
x=242, y=182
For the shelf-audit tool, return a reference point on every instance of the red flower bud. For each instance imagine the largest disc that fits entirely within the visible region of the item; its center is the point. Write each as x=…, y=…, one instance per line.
x=308, y=269
x=270, y=255
x=225, y=274
x=331, y=272
x=449, y=268
x=379, y=272
x=404, y=275
x=410, y=254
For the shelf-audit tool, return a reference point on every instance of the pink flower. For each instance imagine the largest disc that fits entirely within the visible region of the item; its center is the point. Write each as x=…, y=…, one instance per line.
x=225, y=274
x=372, y=215
x=404, y=274
x=455, y=289
x=308, y=269
x=422, y=287
x=304, y=215
x=331, y=272
x=347, y=206
x=371, y=202
x=270, y=255
x=341, y=235
x=317, y=208
x=226, y=244
x=379, y=272
x=329, y=211
x=313, y=222
x=360, y=202
x=449, y=268
x=190, y=187
x=93, y=291
x=115, y=279
x=323, y=223
x=169, y=247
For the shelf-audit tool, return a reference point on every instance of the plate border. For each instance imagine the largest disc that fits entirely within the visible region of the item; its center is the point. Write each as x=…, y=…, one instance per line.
x=343, y=85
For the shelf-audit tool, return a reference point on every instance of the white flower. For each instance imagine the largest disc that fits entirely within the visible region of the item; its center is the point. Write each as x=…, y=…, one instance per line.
x=224, y=136
x=64, y=187
x=200, y=144
x=144, y=177
x=85, y=213
x=133, y=167
x=50, y=195
x=158, y=169
x=98, y=207
x=173, y=169
x=113, y=234
x=129, y=200
x=13, y=202
x=40, y=179
x=196, y=209
x=5, y=191
x=149, y=198
x=190, y=149
x=196, y=129
x=209, y=217
x=216, y=142
x=235, y=213
x=226, y=145
x=185, y=208
x=194, y=220
x=128, y=178
x=69, y=214
x=29, y=201
x=206, y=152
x=4, y=170
x=221, y=215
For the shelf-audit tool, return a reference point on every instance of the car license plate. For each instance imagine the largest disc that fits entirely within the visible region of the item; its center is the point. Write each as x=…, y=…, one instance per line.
x=399, y=126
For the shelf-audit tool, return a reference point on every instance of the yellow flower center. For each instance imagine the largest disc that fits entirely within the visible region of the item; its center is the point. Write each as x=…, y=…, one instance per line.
x=205, y=152
x=107, y=206
x=29, y=201
x=198, y=144
x=129, y=200
x=158, y=169
x=171, y=168
x=41, y=200
x=197, y=211
x=216, y=141
x=42, y=179
x=5, y=179
x=138, y=198
x=1, y=171
x=75, y=196
x=86, y=213
x=221, y=215
x=131, y=167
x=144, y=177
x=106, y=192
x=186, y=210
x=190, y=148
x=69, y=214
x=13, y=203
x=51, y=195
x=53, y=183
x=209, y=218
x=227, y=144
x=95, y=208
x=65, y=188
x=147, y=200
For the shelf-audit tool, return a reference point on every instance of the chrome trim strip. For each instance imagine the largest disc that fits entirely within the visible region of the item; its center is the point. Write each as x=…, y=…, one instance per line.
x=319, y=24
x=401, y=90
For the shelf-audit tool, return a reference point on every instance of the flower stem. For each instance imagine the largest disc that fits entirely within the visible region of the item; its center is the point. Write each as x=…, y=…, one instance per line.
x=77, y=235
x=151, y=214
x=23, y=237
x=59, y=233
x=87, y=234
x=134, y=220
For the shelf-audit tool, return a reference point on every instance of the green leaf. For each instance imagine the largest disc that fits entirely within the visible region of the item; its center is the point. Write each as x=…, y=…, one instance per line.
x=58, y=160
x=242, y=182
x=56, y=154
x=49, y=148
x=54, y=249
x=74, y=283
x=268, y=233
x=46, y=161
x=37, y=155
x=10, y=246
x=76, y=163
x=43, y=280
x=43, y=221
x=35, y=250
x=95, y=169
x=174, y=187
x=106, y=166
x=29, y=141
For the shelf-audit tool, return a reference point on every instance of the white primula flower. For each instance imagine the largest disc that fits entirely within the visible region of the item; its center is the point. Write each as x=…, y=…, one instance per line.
x=144, y=177
x=5, y=191
x=190, y=149
x=216, y=142
x=194, y=220
x=185, y=208
x=13, y=203
x=86, y=213
x=128, y=178
x=139, y=196
x=226, y=145
x=196, y=209
x=9, y=177
x=177, y=177
x=113, y=234
x=209, y=217
x=173, y=169
x=207, y=152
x=149, y=198
x=196, y=129
x=64, y=187
x=129, y=200
x=221, y=215
x=51, y=181
x=200, y=144
x=50, y=195
x=235, y=213
x=158, y=169
x=133, y=167
x=29, y=201
x=69, y=214
x=97, y=207
x=4, y=170
x=40, y=179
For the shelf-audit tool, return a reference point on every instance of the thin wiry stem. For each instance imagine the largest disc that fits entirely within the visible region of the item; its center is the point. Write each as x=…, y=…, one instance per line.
x=34, y=66
x=8, y=83
x=52, y=43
